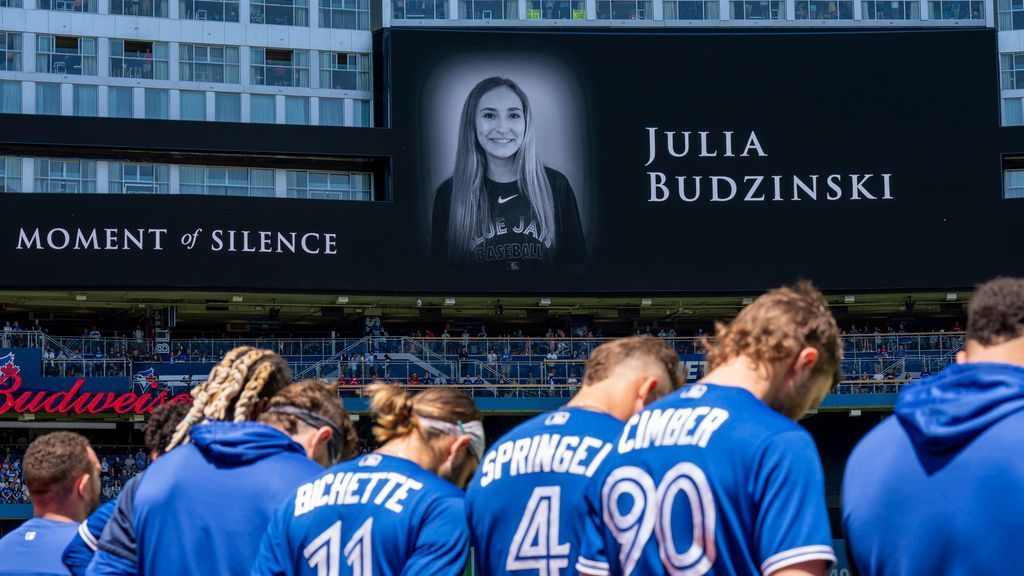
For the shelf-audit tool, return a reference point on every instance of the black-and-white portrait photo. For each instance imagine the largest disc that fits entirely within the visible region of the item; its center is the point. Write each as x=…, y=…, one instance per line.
x=508, y=200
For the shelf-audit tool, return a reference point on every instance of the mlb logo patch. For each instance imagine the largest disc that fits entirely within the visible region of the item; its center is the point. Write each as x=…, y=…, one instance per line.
x=30, y=536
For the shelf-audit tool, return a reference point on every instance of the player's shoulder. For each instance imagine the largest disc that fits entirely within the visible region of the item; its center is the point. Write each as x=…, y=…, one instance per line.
x=878, y=439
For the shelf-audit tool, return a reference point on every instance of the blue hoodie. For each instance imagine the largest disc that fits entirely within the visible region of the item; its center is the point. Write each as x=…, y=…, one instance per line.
x=939, y=489
x=202, y=508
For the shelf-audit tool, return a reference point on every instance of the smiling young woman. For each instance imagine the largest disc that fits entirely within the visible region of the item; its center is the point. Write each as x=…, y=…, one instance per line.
x=503, y=210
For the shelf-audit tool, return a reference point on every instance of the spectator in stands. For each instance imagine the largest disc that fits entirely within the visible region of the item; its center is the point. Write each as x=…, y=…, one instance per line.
x=937, y=489
x=210, y=501
x=414, y=379
x=158, y=432
x=62, y=475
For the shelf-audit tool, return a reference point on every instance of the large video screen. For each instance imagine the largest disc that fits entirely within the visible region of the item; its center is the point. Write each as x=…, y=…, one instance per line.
x=637, y=161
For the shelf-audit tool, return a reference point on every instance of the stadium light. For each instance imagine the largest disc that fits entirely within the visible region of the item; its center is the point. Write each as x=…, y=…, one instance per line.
x=342, y=300
x=449, y=301
x=81, y=297
x=236, y=298
x=849, y=299
x=645, y=301
x=545, y=301
x=950, y=296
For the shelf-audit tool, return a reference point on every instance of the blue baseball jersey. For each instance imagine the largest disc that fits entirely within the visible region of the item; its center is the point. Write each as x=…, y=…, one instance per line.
x=83, y=545
x=526, y=501
x=377, y=515
x=34, y=548
x=708, y=480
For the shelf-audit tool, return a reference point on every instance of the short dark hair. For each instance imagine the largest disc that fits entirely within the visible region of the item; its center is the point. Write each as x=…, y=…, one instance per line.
x=54, y=461
x=319, y=398
x=161, y=425
x=996, y=311
x=607, y=356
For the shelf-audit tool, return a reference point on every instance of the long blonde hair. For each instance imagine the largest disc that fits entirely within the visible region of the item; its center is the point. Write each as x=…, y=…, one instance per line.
x=234, y=387
x=469, y=212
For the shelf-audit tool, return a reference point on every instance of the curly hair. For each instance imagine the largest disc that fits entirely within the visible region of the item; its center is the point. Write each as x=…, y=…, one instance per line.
x=54, y=461
x=318, y=398
x=776, y=327
x=161, y=425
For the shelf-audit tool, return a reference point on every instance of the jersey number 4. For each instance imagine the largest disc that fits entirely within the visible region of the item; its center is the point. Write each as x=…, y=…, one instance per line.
x=324, y=552
x=536, y=545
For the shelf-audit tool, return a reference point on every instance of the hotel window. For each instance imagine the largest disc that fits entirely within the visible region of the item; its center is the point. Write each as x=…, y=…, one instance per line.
x=758, y=10
x=192, y=105
x=86, y=100
x=556, y=10
x=345, y=71
x=10, y=3
x=262, y=109
x=152, y=8
x=691, y=10
x=65, y=55
x=68, y=5
x=362, y=114
x=488, y=9
x=1011, y=14
x=824, y=9
x=208, y=63
x=215, y=10
x=418, y=9
x=1012, y=112
x=10, y=51
x=48, y=98
x=332, y=112
x=276, y=67
x=891, y=10
x=10, y=97
x=10, y=174
x=139, y=178
x=120, y=102
x=346, y=14
x=1011, y=68
x=224, y=181
x=623, y=10
x=135, y=59
x=330, y=185
x=227, y=107
x=956, y=10
x=72, y=176
x=1013, y=183
x=158, y=104
x=296, y=110
x=280, y=12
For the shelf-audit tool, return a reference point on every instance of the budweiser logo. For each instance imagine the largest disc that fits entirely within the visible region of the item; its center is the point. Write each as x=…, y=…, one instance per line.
x=74, y=401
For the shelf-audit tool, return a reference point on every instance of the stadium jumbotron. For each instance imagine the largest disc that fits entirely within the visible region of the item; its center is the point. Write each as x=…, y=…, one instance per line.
x=415, y=242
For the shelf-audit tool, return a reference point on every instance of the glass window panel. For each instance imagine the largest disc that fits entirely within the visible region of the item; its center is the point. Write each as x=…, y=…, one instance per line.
x=157, y=104
x=228, y=107
x=193, y=105
x=261, y=109
x=10, y=97
x=331, y=112
x=296, y=110
x=120, y=102
x=47, y=98
x=86, y=100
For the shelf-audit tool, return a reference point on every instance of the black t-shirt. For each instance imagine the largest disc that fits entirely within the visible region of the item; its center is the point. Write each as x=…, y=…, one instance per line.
x=511, y=243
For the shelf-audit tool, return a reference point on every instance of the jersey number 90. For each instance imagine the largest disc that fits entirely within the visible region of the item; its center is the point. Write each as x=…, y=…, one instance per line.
x=649, y=512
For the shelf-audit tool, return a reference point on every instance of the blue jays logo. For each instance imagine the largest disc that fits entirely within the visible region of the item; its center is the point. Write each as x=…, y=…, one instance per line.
x=9, y=371
x=145, y=378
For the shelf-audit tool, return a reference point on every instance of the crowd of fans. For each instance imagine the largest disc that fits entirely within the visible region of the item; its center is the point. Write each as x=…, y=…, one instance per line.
x=116, y=465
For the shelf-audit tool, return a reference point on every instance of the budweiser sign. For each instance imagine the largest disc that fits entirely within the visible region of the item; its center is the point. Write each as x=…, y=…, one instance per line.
x=73, y=400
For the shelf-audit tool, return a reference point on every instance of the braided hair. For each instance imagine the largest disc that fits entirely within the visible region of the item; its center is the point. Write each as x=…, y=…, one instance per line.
x=236, y=384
